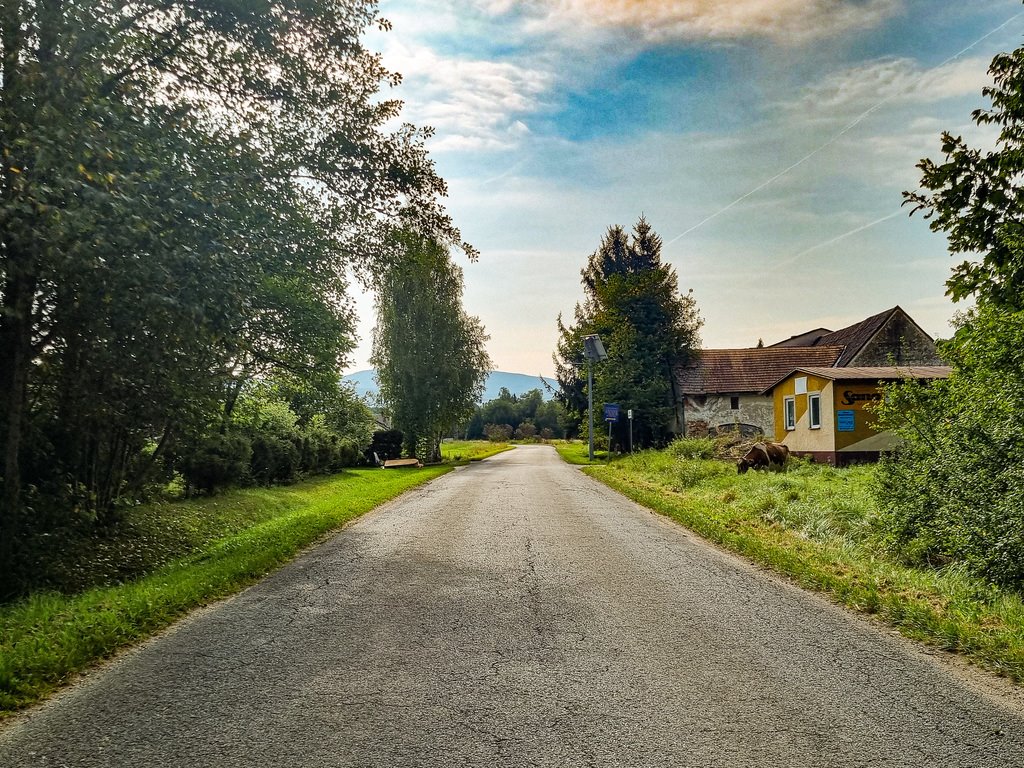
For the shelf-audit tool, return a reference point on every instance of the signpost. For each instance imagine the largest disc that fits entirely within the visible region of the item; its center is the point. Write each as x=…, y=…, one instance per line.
x=629, y=415
x=593, y=350
x=611, y=415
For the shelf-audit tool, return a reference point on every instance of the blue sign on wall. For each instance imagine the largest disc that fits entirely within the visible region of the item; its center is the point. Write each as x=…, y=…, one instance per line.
x=611, y=412
x=845, y=421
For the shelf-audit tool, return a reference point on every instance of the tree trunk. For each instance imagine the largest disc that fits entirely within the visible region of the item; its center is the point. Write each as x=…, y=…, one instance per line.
x=15, y=359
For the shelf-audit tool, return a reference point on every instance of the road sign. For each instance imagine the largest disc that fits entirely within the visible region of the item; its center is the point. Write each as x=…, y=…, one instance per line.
x=611, y=412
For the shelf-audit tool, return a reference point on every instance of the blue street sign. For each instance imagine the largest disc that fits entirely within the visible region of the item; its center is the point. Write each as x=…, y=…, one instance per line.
x=611, y=412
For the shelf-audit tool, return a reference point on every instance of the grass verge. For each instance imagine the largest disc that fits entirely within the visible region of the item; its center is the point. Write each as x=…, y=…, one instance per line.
x=815, y=525
x=47, y=638
x=464, y=451
x=578, y=452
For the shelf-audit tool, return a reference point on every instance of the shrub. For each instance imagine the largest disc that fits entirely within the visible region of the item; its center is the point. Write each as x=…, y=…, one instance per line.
x=274, y=460
x=498, y=433
x=216, y=461
x=954, y=490
x=693, y=448
x=526, y=431
x=348, y=453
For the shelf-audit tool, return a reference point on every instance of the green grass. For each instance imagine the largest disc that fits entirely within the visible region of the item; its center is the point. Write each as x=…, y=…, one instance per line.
x=237, y=538
x=815, y=525
x=462, y=451
x=577, y=452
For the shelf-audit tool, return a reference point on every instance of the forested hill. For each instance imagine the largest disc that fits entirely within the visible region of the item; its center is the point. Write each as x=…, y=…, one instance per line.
x=516, y=383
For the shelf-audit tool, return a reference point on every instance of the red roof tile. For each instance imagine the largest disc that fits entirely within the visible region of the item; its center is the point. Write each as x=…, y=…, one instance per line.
x=718, y=371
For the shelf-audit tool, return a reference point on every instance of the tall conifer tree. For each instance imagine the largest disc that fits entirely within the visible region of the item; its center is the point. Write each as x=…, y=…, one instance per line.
x=649, y=328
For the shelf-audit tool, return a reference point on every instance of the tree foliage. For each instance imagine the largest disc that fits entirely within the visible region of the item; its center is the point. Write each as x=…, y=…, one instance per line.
x=954, y=491
x=429, y=354
x=183, y=188
x=528, y=412
x=975, y=197
x=632, y=301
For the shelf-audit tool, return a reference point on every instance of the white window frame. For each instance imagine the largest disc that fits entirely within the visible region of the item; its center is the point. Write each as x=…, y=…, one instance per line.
x=810, y=410
x=789, y=412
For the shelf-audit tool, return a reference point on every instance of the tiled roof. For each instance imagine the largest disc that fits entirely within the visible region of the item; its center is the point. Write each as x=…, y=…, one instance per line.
x=717, y=371
x=855, y=337
x=805, y=339
x=867, y=373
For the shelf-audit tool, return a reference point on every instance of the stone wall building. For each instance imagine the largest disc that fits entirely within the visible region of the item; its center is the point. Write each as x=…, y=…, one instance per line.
x=726, y=388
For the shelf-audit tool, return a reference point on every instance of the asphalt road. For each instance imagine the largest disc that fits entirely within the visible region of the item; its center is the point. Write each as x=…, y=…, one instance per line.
x=516, y=613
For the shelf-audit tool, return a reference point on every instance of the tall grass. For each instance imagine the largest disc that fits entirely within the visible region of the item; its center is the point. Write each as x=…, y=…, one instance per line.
x=462, y=451
x=817, y=525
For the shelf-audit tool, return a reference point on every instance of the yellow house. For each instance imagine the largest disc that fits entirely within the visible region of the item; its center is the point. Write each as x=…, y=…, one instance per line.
x=820, y=412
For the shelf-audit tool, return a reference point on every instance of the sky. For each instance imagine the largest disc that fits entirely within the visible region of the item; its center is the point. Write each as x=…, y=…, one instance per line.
x=768, y=142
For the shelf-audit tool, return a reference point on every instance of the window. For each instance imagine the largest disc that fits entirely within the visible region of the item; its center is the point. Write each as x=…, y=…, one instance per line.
x=734, y=403
x=789, y=409
x=814, y=410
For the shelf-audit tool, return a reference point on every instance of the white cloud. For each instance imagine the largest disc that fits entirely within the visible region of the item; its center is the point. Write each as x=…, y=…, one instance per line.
x=473, y=103
x=784, y=21
x=849, y=92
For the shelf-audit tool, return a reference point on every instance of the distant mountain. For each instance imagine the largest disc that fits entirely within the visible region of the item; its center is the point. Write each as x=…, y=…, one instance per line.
x=516, y=383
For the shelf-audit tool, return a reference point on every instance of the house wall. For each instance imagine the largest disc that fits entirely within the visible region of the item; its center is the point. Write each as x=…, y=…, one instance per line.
x=716, y=412
x=854, y=399
x=899, y=342
x=803, y=439
x=842, y=403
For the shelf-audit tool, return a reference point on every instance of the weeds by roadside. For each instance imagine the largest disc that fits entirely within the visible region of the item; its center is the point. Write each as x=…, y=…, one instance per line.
x=817, y=525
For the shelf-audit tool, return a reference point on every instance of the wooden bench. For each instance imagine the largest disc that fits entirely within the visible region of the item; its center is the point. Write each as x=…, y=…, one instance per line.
x=400, y=463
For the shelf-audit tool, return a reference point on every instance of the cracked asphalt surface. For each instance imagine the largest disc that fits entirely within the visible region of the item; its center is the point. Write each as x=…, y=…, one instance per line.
x=517, y=613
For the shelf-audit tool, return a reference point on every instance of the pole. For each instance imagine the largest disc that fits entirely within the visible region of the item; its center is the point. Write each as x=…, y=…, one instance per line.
x=631, y=430
x=590, y=406
x=609, y=442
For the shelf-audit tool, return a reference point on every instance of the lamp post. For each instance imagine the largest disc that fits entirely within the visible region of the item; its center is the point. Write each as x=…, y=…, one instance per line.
x=593, y=350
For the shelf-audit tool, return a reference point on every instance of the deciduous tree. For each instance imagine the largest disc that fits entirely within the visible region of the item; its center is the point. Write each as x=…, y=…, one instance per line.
x=954, y=490
x=183, y=188
x=429, y=354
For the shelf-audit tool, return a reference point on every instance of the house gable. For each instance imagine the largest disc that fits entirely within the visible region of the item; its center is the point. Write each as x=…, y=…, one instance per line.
x=900, y=341
x=888, y=338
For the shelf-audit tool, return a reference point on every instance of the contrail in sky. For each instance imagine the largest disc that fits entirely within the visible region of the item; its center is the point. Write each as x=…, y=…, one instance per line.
x=837, y=238
x=856, y=121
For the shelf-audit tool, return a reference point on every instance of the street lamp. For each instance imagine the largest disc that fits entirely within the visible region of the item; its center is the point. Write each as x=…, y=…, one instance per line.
x=593, y=350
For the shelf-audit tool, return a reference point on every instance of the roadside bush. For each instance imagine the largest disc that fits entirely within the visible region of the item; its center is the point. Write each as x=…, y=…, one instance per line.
x=348, y=453
x=387, y=444
x=693, y=448
x=526, y=431
x=217, y=461
x=274, y=460
x=498, y=433
x=954, y=491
